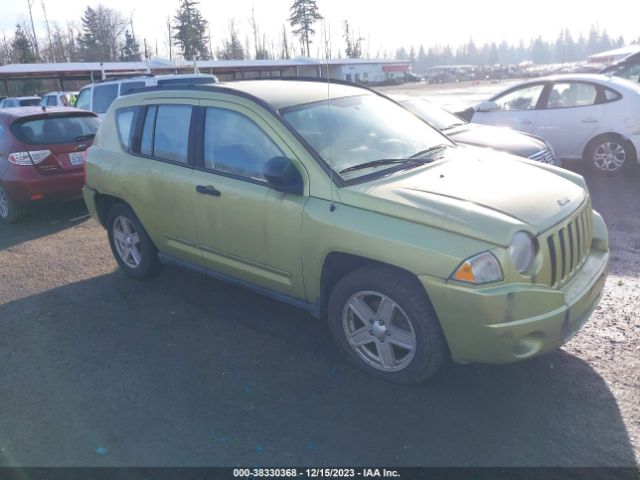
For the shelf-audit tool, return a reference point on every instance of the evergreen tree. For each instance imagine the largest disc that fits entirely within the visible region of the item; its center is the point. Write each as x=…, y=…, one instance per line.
x=191, y=31
x=304, y=13
x=101, y=37
x=22, y=48
x=131, y=49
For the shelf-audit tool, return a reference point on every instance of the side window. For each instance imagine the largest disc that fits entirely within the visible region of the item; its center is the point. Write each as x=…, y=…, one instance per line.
x=51, y=100
x=1, y=131
x=611, y=95
x=146, y=142
x=165, y=134
x=521, y=99
x=125, y=120
x=572, y=94
x=82, y=102
x=235, y=144
x=103, y=95
x=126, y=87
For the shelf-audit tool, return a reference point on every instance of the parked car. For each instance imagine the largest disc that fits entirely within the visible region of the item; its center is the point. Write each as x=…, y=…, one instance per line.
x=97, y=97
x=628, y=68
x=499, y=138
x=353, y=209
x=589, y=116
x=57, y=99
x=14, y=102
x=41, y=156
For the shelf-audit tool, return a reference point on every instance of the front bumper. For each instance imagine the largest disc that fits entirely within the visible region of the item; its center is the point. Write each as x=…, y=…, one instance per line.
x=509, y=323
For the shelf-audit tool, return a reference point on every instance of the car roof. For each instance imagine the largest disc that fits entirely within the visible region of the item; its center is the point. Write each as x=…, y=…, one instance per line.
x=21, y=112
x=287, y=93
x=22, y=98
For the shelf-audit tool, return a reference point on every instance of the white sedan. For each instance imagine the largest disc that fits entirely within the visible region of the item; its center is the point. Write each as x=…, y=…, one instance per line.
x=594, y=117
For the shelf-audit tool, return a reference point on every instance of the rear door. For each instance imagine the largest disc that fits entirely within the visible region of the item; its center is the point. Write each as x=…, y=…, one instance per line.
x=570, y=115
x=162, y=195
x=517, y=108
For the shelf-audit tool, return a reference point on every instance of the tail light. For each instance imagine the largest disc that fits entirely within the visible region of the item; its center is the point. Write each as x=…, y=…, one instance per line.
x=28, y=158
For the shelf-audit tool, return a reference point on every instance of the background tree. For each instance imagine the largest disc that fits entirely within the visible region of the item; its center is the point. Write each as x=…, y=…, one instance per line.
x=261, y=52
x=354, y=45
x=190, y=29
x=23, y=52
x=102, y=34
x=232, y=48
x=304, y=13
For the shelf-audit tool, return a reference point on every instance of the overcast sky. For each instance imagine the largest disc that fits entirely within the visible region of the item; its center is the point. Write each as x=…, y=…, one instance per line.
x=388, y=24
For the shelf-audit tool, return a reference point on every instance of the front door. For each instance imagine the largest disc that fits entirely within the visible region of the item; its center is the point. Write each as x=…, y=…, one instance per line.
x=516, y=109
x=245, y=229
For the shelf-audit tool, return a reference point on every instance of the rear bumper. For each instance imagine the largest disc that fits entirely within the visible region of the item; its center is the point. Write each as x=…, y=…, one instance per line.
x=25, y=186
x=89, y=195
x=510, y=323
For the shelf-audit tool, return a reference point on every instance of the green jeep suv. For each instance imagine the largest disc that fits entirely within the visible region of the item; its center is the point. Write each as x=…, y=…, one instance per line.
x=337, y=200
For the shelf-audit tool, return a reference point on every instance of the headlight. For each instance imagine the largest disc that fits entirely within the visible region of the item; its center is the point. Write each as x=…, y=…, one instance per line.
x=481, y=268
x=522, y=251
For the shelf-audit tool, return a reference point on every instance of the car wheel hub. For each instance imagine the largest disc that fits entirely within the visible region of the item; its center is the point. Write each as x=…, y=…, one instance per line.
x=609, y=156
x=127, y=242
x=379, y=331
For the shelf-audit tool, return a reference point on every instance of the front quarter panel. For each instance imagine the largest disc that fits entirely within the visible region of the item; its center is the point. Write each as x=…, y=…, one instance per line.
x=418, y=249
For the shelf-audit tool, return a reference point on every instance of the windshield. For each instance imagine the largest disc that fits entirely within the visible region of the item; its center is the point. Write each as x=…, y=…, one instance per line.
x=355, y=130
x=436, y=116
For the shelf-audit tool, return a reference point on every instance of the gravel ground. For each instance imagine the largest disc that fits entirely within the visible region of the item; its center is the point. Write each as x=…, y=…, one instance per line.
x=184, y=370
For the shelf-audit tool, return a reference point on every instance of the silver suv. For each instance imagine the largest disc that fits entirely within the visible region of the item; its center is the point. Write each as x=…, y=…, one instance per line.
x=97, y=97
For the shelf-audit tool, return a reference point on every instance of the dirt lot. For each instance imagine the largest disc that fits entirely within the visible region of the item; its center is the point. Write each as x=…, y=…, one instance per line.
x=185, y=370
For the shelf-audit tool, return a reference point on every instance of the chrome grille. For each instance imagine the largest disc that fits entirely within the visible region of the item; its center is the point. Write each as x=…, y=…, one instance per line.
x=568, y=246
x=544, y=156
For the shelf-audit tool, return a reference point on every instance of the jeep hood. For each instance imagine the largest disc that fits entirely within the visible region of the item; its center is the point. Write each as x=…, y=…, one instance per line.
x=476, y=192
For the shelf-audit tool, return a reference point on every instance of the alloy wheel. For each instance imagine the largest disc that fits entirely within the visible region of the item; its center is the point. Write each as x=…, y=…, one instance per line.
x=127, y=242
x=379, y=331
x=609, y=156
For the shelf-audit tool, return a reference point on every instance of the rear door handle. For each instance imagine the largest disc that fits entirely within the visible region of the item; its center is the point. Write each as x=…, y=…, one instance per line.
x=525, y=122
x=208, y=190
x=590, y=120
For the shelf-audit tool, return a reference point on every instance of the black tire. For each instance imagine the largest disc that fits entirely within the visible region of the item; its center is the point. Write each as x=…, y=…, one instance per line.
x=10, y=213
x=148, y=264
x=405, y=291
x=620, y=149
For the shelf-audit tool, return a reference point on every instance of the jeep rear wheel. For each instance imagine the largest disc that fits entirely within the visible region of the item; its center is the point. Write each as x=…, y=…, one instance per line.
x=131, y=246
x=384, y=323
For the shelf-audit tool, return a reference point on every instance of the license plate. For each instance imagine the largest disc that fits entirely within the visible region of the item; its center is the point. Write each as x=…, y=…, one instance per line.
x=76, y=158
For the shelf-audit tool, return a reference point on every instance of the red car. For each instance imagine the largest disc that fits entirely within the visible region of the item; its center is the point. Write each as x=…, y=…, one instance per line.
x=42, y=156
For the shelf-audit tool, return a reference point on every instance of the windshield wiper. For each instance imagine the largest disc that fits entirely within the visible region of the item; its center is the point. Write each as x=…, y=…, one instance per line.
x=453, y=125
x=85, y=137
x=375, y=163
x=423, y=156
x=428, y=151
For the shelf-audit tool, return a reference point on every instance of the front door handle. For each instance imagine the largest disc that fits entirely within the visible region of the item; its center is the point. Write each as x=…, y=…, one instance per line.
x=590, y=120
x=525, y=122
x=208, y=190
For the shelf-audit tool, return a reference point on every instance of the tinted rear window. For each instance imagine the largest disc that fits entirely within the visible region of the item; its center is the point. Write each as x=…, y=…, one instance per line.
x=103, y=95
x=29, y=102
x=53, y=130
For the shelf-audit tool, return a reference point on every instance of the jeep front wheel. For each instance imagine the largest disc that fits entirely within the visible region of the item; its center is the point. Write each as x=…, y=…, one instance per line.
x=384, y=323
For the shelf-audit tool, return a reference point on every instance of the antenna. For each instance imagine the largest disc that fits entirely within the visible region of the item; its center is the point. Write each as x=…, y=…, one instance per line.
x=327, y=52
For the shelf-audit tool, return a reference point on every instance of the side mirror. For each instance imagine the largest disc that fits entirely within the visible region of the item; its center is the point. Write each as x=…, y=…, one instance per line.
x=283, y=176
x=487, y=106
